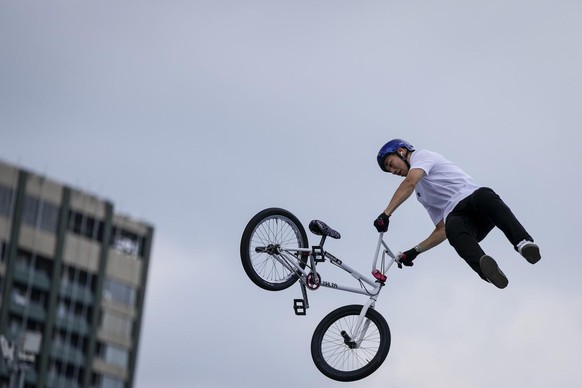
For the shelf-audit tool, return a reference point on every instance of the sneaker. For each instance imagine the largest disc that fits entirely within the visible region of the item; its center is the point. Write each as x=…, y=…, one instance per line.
x=492, y=273
x=530, y=251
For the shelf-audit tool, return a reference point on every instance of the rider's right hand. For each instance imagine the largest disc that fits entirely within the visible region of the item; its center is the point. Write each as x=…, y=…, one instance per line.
x=381, y=223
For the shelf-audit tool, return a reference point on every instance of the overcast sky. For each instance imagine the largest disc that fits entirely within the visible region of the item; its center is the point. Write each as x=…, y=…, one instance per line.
x=195, y=115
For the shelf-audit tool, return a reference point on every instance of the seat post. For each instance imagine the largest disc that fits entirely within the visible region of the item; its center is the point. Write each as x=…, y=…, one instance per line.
x=322, y=240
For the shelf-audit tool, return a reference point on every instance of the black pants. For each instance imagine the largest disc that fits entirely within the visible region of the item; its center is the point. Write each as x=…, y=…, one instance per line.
x=474, y=217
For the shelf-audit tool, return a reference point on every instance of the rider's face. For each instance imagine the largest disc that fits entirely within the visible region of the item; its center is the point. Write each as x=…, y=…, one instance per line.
x=395, y=165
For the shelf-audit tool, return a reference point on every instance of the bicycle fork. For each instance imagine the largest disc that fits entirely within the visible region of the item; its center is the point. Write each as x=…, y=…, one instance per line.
x=361, y=328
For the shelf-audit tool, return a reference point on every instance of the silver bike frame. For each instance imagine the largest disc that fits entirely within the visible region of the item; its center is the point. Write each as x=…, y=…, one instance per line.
x=291, y=262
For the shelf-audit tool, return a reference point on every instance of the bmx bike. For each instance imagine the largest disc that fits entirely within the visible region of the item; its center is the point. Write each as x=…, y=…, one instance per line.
x=352, y=341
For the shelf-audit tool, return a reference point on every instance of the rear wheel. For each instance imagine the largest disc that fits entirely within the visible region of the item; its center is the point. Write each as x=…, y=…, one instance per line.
x=334, y=345
x=264, y=234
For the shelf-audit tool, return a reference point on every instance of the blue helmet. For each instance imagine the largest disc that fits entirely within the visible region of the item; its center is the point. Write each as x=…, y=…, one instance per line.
x=390, y=148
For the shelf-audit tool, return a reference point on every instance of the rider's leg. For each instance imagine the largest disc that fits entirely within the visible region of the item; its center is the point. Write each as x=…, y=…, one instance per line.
x=464, y=233
x=485, y=202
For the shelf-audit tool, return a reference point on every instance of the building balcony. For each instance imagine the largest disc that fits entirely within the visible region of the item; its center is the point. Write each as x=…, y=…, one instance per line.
x=76, y=293
x=30, y=376
x=77, y=325
x=68, y=354
x=56, y=381
x=39, y=279
x=33, y=310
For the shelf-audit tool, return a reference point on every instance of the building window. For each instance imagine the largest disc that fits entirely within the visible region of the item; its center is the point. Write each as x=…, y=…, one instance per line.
x=119, y=292
x=116, y=324
x=126, y=242
x=77, y=278
x=61, y=374
x=115, y=355
x=71, y=313
x=19, y=297
x=86, y=226
x=110, y=382
x=36, y=267
x=77, y=286
x=41, y=214
x=63, y=340
x=6, y=198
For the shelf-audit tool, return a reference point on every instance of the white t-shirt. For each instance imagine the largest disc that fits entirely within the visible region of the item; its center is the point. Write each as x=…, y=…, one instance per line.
x=443, y=186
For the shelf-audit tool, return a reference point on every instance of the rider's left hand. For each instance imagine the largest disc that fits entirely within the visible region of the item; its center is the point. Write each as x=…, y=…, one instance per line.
x=408, y=257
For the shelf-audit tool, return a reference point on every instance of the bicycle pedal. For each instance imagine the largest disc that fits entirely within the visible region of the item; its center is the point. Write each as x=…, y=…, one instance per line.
x=318, y=254
x=300, y=307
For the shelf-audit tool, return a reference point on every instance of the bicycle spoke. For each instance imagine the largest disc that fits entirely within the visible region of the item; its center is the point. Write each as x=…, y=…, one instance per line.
x=339, y=355
x=274, y=231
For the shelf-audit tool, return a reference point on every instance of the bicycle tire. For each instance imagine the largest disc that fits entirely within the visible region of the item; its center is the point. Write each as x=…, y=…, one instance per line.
x=271, y=226
x=332, y=355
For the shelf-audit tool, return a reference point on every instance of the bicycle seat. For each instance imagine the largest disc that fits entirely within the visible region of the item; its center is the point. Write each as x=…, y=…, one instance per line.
x=320, y=228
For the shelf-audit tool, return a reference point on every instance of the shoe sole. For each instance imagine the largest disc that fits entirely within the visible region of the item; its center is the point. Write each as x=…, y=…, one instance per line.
x=492, y=272
x=531, y=252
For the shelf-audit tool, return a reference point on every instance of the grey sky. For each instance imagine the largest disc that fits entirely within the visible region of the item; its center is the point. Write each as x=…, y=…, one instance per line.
x=195, y=115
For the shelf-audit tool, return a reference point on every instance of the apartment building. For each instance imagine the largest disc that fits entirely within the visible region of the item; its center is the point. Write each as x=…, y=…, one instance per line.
x=73, y=278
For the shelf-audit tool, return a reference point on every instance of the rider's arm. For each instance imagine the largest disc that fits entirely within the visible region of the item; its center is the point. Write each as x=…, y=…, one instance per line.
x=404, y=190
x=436, y=237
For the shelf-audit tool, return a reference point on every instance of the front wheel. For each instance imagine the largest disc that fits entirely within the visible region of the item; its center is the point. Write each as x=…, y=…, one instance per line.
x=343, y=355
x=266, y=233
